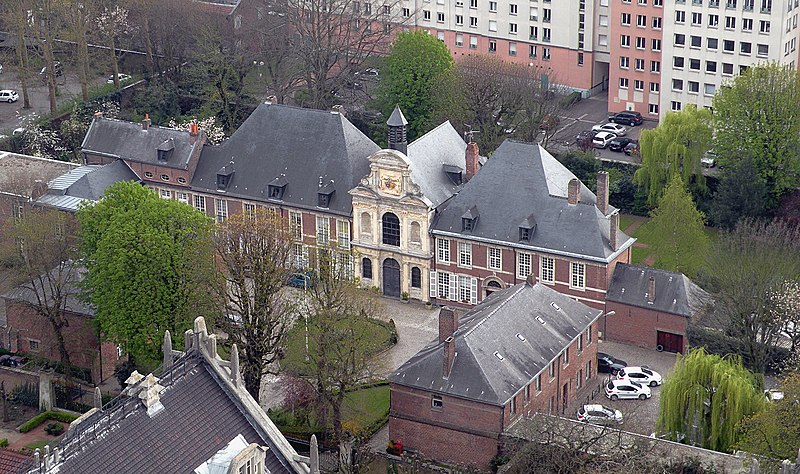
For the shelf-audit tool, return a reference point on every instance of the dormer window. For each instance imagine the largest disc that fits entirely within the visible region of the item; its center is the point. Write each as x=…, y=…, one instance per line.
x=222, y=182
x=324, y=200
x=524, y=234
x=224, y=176
x=325, y=194
x=469, y=219
x=454, y=173
x=526, y=229
x=276, y=187
x=165, y=150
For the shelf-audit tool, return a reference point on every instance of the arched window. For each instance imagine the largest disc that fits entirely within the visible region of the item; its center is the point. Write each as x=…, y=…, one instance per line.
x=366, y=268
x=391, y=229
x=366, y=223
x=416, y=277
x=416, y=237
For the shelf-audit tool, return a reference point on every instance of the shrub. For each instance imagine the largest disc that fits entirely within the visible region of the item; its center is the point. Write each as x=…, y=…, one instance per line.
x=717, y=342
x=26, y=394
x=44, y=416
x=3, y=443
x=54, y=429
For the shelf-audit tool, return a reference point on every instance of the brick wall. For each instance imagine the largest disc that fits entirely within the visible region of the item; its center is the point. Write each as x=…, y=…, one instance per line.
x=640, y=326
x=442, y=444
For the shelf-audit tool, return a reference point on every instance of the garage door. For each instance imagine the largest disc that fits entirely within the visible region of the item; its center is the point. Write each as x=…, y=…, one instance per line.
x=669, y=342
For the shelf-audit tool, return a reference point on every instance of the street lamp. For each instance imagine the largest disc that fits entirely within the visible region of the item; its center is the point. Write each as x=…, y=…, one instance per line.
x=605, y=321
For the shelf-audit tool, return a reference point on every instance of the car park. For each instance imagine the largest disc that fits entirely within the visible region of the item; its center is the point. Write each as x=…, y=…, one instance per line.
x=599, y=414
x=614, y=128
x=627, y=389
x=643, y=375
x=8, y=95
x=627, y=117
x=602, y=139
x=607, y=364
x=631, y=149
x=618, y=144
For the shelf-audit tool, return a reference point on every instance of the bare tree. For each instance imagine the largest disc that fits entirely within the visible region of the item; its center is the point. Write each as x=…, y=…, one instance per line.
x=46, y=18
x=18, y=23
x=78, y=17
x=254, y=249
x=112, y=23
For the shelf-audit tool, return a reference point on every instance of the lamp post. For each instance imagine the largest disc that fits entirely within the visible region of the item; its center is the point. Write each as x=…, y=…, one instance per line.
x=605, y=321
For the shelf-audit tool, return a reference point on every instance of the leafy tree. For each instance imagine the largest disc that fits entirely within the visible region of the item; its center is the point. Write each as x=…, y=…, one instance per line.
x=255, y=252
x=415, y=63
x=149, y=267
x=775, y=432
x=746, y=267
x=675, y=147
x=758, y=117
x=680, y=227
x=704, y=399
x=741, y=193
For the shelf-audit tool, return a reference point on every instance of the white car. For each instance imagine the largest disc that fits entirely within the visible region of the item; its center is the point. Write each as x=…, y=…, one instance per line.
x=643, y=375
x=602, y=139
x=122, y=78
x=7, y=95
x=773, y=394
x=617, y=389
x=599, y=414
x=614, y=128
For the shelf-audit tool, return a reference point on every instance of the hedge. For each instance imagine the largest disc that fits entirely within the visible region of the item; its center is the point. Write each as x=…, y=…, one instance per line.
x=48, y=415
x=717, y=342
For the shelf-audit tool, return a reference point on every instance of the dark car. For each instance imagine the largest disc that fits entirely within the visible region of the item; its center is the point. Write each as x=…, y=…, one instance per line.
x=631, y=148
x=609, y=365
x=12, y=361
x=626, y=118
x=618, y=144
x=584, y=139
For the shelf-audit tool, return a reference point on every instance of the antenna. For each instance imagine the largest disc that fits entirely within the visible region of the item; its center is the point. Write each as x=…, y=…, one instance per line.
x=469, y=133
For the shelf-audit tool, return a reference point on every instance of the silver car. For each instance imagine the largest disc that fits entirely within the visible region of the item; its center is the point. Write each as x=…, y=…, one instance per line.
x=599, y=414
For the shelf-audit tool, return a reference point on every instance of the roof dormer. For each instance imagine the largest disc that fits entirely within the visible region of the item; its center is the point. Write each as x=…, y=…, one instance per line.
x=224, y=176
x=325, y=193
x=165, y=150
x=527, y=228
x=454, y=173
x=277, y=187
x=469, y=219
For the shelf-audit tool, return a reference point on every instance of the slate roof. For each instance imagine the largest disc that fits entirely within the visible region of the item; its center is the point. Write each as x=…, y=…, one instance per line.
x=675, y=293
x=494, y=327
x=128, y=141
x=302, y=144
x=25, y=293
x=22, y=174
x=523, y=181
x=86, y=183
x=428, y=154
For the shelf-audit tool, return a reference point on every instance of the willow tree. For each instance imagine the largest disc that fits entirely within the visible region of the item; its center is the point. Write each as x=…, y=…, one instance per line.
x=706, y=397
x=675, y=147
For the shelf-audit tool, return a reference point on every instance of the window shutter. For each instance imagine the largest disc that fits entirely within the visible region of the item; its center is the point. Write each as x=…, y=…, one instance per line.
x=433, y=293
x=453, y=287
x=474, y=293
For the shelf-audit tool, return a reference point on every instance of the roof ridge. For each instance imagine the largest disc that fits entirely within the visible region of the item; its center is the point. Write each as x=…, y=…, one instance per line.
x=446, y=122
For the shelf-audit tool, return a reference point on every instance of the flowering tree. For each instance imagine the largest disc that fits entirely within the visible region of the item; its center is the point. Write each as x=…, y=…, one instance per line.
x=785, y=301
x=113, y=22
x=209, y=125
x=39, y=141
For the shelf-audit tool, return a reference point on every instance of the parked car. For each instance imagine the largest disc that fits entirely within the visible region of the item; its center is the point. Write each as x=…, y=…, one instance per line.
x=614, y=128
x=773, y=394
x=607, y=364
x=599, y=414
x=643, y=375
x=8, y=95
x=709, y=159
x=631, y=149
x=627, y=117
x=122, y=78
x=301, y=280
x=602, y=139
x=12, y=361
x=617, y=389
x=618, y=144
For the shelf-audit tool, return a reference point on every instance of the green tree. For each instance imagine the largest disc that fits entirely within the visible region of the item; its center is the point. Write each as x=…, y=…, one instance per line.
x=681, y=230
x=414, y=65
x=775, y=432
x=675, y=147
x=149, y=267
x=758, y=117
x=704, y=399
x=741, y=193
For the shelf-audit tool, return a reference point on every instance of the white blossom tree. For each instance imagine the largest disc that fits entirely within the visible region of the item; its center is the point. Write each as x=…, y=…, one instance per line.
x=785, y=309
x=209, y=125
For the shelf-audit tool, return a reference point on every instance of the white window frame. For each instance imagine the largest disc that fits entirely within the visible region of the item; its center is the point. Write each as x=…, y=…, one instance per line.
x=465, y=255
x=221, y=208
x=443, y=282
x=443, y=250
x=524, y=264
x=494, y=257
x=343, y=233
x=547, y=269
x=200, y=203
x=577, y=275
x=323, y=230
x=296, y=225
x=165, y=193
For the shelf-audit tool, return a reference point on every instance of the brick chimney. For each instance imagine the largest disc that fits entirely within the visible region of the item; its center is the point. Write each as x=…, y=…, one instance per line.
x=574, y=191
x=472, y=160
x=602, y=192
x=146, y=122
x=194, y=129
x=613, y=231
x=448, y=323
x=449, y=356
x=98, y=115
x=651, y=290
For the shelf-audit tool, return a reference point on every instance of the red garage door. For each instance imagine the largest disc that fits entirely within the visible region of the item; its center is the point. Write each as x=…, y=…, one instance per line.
x=669, y=342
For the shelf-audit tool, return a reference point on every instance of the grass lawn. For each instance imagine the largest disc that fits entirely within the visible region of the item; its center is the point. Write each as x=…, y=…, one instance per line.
x=625, y=220
x=366, y=408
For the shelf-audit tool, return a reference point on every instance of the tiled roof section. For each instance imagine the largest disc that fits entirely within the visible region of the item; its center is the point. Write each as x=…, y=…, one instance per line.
x=86, y=183
x=300, y=145
x=675, y=293
x=73, y=276
x=129, y=141
x=20, y=174
x=12, y=462
x=429, y=155
x=501, y=344
x=522, y=181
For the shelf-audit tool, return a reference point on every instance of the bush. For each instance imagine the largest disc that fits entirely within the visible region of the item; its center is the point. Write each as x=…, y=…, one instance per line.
x=54, y=429
x=48, y=415
x=571, y=99
x=717, y=342
x=26, y=394
x=3, y=443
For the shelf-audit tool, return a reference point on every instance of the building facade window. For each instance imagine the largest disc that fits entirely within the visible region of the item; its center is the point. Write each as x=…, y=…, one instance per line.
x=443, y=250
x=547, y=273
x=495, y=258
x=443, y=284
x=296, y=225
x=366, y=268
x=343, y=233
x=391, y=229
x=523, y=265
x=323, y=230
x=200, y=203
x=436, y=402
x=222, y=209
x=464, y=254
x=165, y=193
x=416, y=277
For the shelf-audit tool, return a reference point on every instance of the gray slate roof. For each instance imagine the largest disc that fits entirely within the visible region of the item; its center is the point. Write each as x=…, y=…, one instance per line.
x=427, y=154
x=302, y=144
x=86, y=183
x=520, y=181
x=492, y=326
x=128, y=141
x=675, y=293
x=25, y=292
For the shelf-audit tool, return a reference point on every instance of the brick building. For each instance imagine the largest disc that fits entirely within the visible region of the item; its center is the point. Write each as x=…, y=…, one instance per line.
x=525, y=349
x=652, y=307
x=525, y=214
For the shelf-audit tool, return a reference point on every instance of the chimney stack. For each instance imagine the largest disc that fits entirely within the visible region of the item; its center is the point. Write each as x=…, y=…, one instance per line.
x=613, y=231
x=194, y=129
x=531, y=280
x=472, y=159
x=448, y=323
x=337, y=109
x=271, y=100
x=98, y=115
x=602, y=192
x=574, y=191
x=146, y=122
x=449, y=355
x=651, y=290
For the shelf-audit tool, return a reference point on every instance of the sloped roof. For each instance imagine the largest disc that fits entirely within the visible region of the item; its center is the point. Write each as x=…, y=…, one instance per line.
x=523, y=181
x=299, y=144
x=12, y=462
x=86, y=183
x=441, y=146
x=20, y=174
x=675, y=293
x=129, y=141
x=546, y=320
x=26, y=292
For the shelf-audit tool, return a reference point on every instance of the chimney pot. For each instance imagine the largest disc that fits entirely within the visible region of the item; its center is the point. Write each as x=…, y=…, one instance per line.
x=449, y=356
x=602, y=192
x=448, y=323
x=472, y=160
x=651, y=290
x=531, y=280
x=574, y=191
x=98, y=115
x=146, y=122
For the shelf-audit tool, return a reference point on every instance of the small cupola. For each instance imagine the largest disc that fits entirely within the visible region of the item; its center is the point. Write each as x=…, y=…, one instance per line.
x=224, y=176
x=398, y=131
x=325, y=193
x=526, y=228
x=276, y=187
x=454, y=173
x=165, y=150
x=469, y=219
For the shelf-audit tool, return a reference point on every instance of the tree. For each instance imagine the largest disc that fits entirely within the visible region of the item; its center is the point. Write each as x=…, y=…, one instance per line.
x=415, y=63
x=78, y=18
x=149, y=267
x=681, y=229
x=741, y=193
x=785, y=307
x=775, y=432
x=255, y=252
x=18, y=20
x=704, y=399
x=40, y=245
x=758, y=117
x=675, y=147
x=45, y=13
x=745, y=268
x=112, y=22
